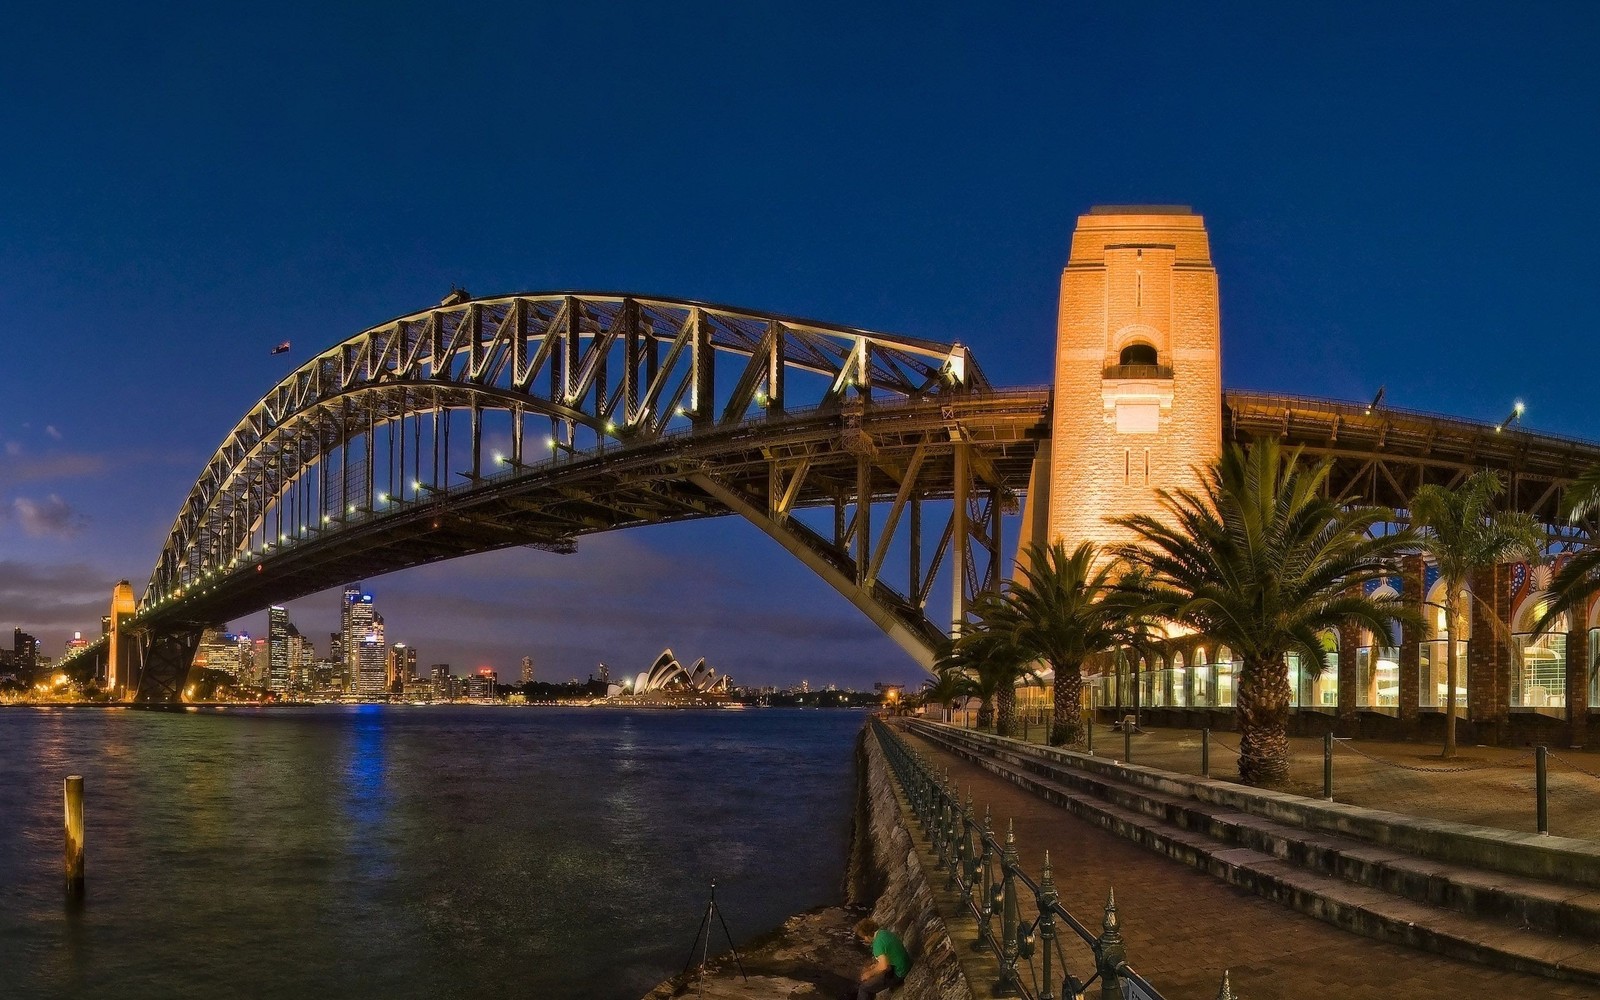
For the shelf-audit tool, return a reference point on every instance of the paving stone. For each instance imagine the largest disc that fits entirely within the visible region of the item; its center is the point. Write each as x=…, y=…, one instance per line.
x=1183, y=927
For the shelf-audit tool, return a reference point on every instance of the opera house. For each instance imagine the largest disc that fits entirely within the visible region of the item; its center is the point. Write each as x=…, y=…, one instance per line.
x=667, y=677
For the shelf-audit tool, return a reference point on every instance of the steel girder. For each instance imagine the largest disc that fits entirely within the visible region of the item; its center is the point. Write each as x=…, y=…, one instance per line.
x=1382, y=455
x=534, y=419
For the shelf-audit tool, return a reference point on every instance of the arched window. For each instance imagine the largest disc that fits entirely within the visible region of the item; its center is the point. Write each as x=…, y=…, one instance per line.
x=1138, y=353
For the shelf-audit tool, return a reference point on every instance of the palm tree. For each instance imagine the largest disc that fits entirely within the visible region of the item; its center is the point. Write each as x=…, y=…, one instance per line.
x=1460, y=529
x=1262, y=561
x=993, y=663
x=1579, y=578
x=1062, y=611
x=944, y=688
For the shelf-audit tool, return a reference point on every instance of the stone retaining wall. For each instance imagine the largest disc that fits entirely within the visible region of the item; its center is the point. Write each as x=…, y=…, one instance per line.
x=886, y=875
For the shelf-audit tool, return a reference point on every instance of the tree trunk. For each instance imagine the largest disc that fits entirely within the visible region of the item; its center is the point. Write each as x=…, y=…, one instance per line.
x=1263, y=711
x=1065, y=725
x=1451, y=589
x=1006, y=718
x=985, y=714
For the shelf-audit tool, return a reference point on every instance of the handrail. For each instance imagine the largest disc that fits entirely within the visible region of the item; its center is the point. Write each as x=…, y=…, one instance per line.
x=968, y=851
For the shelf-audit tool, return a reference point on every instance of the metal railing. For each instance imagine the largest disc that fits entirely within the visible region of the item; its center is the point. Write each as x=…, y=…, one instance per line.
x=989, y=876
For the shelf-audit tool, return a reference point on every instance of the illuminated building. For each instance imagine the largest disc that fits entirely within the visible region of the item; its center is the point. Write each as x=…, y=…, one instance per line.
x=122, y=647
x=1138, y=397
x=278, y=649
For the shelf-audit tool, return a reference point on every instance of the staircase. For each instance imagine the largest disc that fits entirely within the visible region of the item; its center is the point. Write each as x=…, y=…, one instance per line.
x=1506, y=899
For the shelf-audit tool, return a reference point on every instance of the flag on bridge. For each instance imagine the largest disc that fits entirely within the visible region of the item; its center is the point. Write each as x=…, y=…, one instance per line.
x=282, y=348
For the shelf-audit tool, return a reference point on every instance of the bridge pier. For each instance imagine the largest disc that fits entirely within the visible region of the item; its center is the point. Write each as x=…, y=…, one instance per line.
x=164, y=662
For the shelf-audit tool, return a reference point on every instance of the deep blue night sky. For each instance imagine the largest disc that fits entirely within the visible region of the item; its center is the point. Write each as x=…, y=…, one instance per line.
x=1396, y=194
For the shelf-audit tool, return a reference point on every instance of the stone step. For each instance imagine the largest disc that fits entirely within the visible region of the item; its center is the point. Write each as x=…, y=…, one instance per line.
x=1534, y=903
x=1364, y=909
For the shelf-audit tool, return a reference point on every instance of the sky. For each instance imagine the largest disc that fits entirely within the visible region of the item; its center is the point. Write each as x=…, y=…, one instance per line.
x=1397, y=194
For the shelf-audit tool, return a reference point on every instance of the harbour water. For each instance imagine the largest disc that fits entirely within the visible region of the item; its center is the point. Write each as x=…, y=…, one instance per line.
x=409, y=852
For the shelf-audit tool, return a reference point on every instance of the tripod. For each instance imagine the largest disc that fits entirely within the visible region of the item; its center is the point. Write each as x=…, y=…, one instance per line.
x=702, y=938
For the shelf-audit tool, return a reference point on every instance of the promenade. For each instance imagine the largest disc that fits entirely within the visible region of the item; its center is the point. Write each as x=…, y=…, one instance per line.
x=1183, y=927
x=1485, y=786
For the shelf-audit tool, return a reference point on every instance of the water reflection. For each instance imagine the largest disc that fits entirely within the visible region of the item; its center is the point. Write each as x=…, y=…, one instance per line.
x=408, y=853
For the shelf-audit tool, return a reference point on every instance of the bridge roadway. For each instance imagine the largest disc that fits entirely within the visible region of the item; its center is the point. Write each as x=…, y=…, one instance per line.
x=1183, y=927
x=676, y=477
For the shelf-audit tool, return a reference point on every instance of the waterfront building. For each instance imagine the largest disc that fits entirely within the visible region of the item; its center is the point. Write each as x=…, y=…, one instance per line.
x=24, y=655
x=483, y=684
x=278, y=654
x=666, y=674
x=1139, y=408
x=224, y=651
x=527, y=670
x=76, y=643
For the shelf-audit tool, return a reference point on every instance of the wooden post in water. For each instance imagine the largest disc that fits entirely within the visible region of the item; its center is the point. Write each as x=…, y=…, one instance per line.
x=73, y=791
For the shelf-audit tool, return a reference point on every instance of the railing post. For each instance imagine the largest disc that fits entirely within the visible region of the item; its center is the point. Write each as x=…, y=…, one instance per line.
x=1047, y=927
x=1010, y=917
x=986, y=909
x=1109, y=953
x=1226, y=991
x=952, y=808
x=1205, y=753
x=1088, y=736
x=958, y=867
x=1542, y=787
x=1327, y=766
x=1127, y=739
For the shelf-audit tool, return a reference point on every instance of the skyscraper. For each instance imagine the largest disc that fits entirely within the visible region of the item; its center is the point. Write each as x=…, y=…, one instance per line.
x=278, y=655
x=25, y=653
x=527, y=669
x=364, y=648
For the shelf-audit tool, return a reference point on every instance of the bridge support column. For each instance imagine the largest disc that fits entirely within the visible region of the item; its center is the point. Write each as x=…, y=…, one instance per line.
x=164, y=668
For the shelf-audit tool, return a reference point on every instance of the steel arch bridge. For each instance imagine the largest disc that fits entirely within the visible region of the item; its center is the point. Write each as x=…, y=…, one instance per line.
x=534, y=419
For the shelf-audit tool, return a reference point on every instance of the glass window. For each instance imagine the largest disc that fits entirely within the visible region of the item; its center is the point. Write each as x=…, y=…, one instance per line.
x=1542, y=681
x=1377, y=677
x=1594, y=668
x=1433, y=673
x=1200, y=682
x=1227, y=670
x=1177, y=680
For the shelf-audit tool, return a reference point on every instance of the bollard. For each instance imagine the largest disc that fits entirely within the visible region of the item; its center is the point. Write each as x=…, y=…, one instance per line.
x=1127, y=739
x=72, y=790
x=1205, y=753
x=1327, y=766
x=1047, y=926
x=1109, y=953
x=987, y=911
x=1542, y=787
x=1088, y=736
x=1010, y=917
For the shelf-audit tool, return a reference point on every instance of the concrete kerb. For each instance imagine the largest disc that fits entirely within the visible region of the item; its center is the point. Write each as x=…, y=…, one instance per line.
x=1507, y=851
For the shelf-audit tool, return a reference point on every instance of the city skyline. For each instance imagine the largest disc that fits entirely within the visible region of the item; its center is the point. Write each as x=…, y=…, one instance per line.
x=926, y=188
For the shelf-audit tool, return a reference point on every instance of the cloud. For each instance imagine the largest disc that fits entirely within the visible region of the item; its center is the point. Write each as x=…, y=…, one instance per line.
x=18, y=468
x=51, y=517
x=50, y=429
x=13, y=448
x=51, y=596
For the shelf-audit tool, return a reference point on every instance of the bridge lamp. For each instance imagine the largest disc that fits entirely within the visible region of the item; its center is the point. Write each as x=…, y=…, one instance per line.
x=416, y=487
x=550, y=443
x=611, y=426
x=383, y=498
x=680, y=411
x=352, y=509
x=1517, y=409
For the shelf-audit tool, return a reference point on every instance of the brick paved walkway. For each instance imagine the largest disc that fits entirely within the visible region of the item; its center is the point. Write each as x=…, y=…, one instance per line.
x=1183, y=927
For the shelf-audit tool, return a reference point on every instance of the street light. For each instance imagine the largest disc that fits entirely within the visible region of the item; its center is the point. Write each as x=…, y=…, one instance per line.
x=1517, y=409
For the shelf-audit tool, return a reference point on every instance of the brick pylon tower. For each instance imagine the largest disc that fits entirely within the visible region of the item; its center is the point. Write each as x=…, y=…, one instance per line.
x=1138, y=390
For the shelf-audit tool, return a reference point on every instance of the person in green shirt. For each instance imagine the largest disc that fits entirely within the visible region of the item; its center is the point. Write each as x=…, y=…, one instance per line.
x=889, y=964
